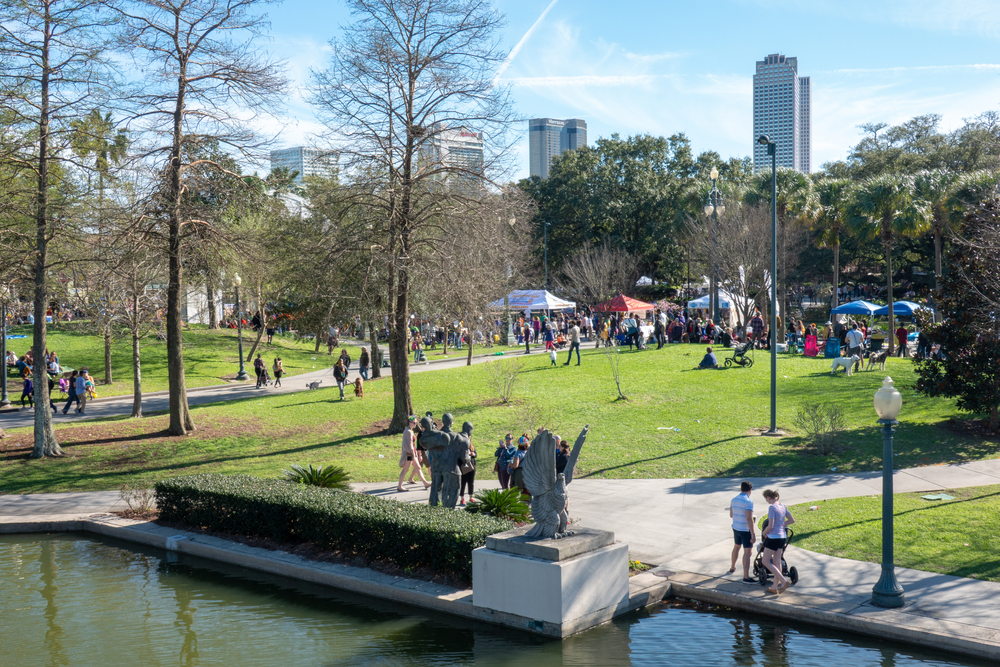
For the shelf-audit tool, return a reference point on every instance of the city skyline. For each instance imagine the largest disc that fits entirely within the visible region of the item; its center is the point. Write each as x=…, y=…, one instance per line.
x=549, y=137
x=781, y=110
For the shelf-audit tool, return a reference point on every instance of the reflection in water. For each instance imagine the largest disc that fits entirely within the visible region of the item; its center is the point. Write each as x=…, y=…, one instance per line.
x=105, y=603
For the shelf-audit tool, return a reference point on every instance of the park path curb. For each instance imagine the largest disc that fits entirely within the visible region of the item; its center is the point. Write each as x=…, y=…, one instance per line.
x=866, y=619
x=644, y=590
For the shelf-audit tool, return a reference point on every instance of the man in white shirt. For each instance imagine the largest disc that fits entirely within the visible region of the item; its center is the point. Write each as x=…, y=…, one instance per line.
x=574, y=344
x=741, y=511
x=854, y=340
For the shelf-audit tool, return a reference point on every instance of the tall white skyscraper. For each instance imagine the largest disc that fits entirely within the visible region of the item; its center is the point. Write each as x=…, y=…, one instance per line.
x=307, y=161
x=458, y=153
x=781, y=110
x=549, y=137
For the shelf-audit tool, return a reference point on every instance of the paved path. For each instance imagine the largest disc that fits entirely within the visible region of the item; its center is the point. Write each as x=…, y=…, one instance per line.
x=159, y=401
x=683, y=526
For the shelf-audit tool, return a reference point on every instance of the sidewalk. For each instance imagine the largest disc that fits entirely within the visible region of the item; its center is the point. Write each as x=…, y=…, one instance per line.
x=159, y=401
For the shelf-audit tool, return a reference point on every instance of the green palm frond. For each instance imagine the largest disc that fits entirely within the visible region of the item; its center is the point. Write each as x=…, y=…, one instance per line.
x=328, y=477
x=970, y=191
x=502, y=504
x=885, y=207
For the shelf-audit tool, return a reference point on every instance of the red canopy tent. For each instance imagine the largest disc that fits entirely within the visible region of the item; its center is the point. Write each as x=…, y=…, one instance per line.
x=624, y=304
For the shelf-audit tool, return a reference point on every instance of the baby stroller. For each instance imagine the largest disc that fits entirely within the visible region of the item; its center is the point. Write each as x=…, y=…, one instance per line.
x=761, y=572
x=740, y=356
x=264, y=379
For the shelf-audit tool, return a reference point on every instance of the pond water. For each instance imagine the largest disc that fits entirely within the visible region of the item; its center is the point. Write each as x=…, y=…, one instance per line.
x=68, y=599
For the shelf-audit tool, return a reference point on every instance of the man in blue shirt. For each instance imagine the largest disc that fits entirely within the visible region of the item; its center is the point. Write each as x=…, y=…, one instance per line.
x=741, y=511
x=709, y=360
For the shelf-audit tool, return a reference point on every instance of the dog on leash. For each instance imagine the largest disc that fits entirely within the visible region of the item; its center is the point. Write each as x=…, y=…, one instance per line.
x=359, y=388
x=847, y=363
x=877, y=358
x=314, y=385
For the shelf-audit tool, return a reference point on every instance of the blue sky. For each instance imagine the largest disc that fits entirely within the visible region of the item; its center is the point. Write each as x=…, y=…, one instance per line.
x=665, y=67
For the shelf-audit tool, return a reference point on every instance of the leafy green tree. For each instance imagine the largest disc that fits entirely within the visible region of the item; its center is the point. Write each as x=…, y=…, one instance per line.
x=833, y=196
x=934, y=188
x=883, y=209
x=969, y=333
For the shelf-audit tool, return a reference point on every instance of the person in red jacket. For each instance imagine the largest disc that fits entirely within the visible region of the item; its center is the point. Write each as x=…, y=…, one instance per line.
x=901, y=335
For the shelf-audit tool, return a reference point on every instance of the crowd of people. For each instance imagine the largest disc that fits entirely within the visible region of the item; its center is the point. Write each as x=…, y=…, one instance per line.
x=78, y=385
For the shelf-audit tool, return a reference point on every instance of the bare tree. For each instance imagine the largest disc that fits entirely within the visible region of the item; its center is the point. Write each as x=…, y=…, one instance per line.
x=52, y=55
x=614, y=357
x=601, y=273
x=502, y=377
x=204, y=71
x=409, y=82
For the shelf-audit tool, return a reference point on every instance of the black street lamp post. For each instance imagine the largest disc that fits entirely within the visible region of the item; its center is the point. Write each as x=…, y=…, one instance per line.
x=242, y=375
x=772, y=150
x=546, y=234
x=887, y=592
x=715, y=208
x=4, y=292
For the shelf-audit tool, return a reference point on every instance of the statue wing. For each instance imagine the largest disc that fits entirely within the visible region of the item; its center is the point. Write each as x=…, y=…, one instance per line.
x=540, y=465
x=575, y=454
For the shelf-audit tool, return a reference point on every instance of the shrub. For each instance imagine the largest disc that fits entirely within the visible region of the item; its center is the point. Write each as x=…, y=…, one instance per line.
x=329, y=477
x=501, y=503
x=137, y=495
x=823, y=423
x=351, y=523
x=502, y=376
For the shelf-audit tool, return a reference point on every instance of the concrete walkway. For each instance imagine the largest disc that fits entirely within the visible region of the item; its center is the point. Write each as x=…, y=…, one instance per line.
x=682, y=525
x=159, y=401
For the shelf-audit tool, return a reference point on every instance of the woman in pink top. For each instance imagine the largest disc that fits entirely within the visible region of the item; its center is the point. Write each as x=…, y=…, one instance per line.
x=409, y=457
x=775, y=536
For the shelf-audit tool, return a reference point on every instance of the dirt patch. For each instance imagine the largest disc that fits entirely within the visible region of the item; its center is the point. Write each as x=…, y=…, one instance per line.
x=381, y=427
x=312, y=552
x=970, y=428
x=147, y=515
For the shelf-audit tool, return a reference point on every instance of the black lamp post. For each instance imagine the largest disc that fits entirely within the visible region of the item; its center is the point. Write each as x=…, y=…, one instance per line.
x=4, y=295
x=545, y=231
x=715, y=208
x=237, y=281
x=772, y=150
x=887, y=592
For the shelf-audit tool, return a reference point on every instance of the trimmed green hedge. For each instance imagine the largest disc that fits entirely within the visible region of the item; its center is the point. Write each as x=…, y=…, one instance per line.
x=351, y=523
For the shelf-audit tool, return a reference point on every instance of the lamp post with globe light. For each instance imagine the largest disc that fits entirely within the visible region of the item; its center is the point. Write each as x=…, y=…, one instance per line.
x=715, y=208
x=4, y=298
x=887, y=592
x=237, y=281
x=772, y=150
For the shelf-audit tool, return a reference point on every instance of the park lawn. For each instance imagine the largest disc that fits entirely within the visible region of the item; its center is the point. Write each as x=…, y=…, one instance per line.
x=717, y=414
x=960, y=537
x=210, y=357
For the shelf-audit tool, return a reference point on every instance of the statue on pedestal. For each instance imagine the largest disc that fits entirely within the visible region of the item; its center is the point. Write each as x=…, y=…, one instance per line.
x=548, y=489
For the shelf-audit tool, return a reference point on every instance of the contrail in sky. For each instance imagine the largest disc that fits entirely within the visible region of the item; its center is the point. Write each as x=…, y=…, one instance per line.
x=517, y=47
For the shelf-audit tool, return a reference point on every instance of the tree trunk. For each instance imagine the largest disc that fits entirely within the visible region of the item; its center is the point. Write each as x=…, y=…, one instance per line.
x=836, y=272
x=376, y=355
x=994, y=419
x=263, y=323
x=888, y=279
x=45, y=443
x=468, y=361
x=937, y=269
x=318, y=334
x=402, y=406
x=213, y=316
x=136, y=377
x=107, y=358
x=180, y=414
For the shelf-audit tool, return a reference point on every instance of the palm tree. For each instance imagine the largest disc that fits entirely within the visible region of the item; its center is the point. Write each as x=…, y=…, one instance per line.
x=833, y=196
x=935, y=188
x=95, y=135
x=796, y=204
x=883, y=208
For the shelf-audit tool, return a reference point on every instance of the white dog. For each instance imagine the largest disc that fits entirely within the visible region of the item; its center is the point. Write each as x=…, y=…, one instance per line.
x=847, y=363
x=314, y=385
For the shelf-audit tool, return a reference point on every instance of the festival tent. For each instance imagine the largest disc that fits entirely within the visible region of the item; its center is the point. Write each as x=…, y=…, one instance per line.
x=527, y=299
x=859, y=307
x=903, y=308
x=704, y=302
x=624, y=304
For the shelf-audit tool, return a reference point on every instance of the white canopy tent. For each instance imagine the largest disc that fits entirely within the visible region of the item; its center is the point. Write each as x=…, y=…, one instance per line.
x=528, y=300
x=726, y=300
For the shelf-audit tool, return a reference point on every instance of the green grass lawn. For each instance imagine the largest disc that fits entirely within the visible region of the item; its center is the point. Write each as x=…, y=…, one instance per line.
x=210, y=357
x=960, y=537
x=716, y=414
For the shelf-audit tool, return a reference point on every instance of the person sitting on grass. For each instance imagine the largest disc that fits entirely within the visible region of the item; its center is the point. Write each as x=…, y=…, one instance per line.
x=709, y=361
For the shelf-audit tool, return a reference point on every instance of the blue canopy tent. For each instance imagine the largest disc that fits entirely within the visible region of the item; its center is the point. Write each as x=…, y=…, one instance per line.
x=859, y=307
x=901, y=308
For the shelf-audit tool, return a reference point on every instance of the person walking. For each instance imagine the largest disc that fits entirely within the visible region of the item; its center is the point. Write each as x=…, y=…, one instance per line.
x=574, y=344
x=854, y=339
x=775, y=536
x=81, y=390
x=258, y=368
x=71, y=391
x=741, y=512
x=346, y=359
x=363, y=363
x=901, y=341
x=503, y=455
x=527, y=339
x=279, y=370
x=409, y=458
x=468, y=476
x=340, y=375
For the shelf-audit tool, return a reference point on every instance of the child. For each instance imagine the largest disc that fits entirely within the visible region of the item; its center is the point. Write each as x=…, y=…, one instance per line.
x=552, y=357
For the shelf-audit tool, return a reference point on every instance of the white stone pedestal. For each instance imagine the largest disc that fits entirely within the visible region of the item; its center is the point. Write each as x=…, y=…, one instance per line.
x=553, y=587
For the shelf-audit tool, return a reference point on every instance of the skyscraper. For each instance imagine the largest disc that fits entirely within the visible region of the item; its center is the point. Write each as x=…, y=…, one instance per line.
x=781, y=110
x=459, y=155
x=306, y=161
x=549, y=137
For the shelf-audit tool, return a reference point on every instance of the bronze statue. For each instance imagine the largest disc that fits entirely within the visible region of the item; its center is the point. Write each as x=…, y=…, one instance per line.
x=447, y=451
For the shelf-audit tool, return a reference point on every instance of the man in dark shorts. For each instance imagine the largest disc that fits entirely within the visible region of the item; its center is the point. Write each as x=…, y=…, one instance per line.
x=741, y=511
